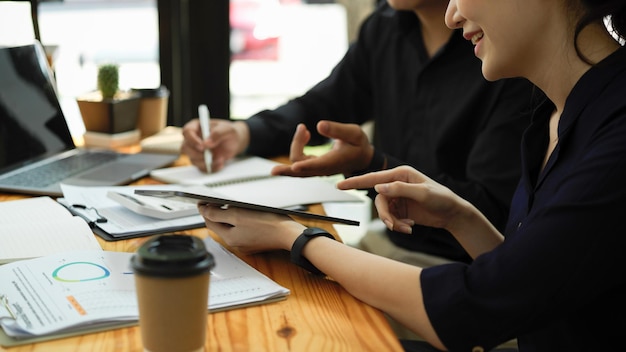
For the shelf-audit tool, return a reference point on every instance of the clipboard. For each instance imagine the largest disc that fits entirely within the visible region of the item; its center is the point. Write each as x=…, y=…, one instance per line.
x=94, y=219
x=185, y=196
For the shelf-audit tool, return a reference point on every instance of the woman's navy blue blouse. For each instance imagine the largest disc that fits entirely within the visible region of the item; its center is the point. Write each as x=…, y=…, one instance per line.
x=560, y=274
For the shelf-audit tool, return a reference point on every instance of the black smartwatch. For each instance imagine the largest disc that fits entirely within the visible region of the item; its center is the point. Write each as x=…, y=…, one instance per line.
x=301, y=241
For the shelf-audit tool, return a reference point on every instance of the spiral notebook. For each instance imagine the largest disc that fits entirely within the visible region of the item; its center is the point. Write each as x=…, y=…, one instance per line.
x=249, y=180
x=237, y=170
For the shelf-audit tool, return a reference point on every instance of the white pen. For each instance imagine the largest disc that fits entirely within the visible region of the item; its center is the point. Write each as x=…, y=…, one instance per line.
x=204, y=116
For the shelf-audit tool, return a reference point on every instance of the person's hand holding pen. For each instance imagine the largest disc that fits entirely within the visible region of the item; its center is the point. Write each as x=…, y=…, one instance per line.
x=226, y=140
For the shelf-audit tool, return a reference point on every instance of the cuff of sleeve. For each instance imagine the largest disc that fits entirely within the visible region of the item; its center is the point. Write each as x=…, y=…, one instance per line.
x=379, y=162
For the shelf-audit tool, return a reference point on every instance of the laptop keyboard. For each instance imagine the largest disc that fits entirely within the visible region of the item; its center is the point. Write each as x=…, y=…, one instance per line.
x=59, y=170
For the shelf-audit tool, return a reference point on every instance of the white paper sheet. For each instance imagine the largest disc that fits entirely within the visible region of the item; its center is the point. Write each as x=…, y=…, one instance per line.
x=85, y=289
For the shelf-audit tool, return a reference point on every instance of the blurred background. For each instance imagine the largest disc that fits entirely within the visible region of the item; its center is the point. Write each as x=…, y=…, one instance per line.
x=237, y=56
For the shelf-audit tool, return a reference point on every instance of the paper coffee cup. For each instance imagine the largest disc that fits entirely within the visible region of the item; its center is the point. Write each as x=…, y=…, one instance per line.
x=152, y=114
x=172, y=282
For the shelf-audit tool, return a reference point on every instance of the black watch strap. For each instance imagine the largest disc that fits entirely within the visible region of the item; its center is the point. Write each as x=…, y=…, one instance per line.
x=300, y=242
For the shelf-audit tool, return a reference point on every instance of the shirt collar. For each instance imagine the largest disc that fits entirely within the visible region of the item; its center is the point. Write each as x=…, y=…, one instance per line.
x=407, y=20
x=409, y=24
x=592, y=84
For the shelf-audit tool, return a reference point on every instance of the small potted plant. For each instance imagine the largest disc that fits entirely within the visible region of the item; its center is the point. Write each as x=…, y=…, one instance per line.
x=108, y=109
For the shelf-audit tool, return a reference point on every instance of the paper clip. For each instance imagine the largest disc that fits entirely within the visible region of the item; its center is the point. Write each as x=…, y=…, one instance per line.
x=100, y=219
x=5, y=303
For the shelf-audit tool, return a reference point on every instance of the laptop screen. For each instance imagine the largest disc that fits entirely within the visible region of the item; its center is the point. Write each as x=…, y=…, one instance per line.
x=32, y=123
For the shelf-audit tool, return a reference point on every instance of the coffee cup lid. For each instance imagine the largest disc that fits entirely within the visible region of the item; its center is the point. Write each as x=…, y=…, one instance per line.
x=172, y=256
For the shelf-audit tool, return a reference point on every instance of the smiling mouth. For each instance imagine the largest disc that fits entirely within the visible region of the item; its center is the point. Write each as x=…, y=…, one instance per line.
x=477, y=37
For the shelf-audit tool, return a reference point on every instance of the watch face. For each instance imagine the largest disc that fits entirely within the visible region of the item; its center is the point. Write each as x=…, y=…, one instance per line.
x=315, y=231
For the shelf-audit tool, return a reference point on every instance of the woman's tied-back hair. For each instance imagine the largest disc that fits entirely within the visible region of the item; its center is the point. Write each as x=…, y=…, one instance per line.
x=597, y=11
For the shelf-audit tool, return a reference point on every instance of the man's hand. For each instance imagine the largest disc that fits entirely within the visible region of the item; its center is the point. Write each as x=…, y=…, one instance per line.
x=351, y=151
x=227, y=140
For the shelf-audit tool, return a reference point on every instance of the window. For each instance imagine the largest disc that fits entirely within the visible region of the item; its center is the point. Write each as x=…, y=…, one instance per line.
x=87, y=33
x=280, y=48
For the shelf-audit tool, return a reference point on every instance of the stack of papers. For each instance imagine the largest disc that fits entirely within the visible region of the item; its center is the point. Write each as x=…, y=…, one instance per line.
x=249, y=180
x=246, y=180
x=84, y=290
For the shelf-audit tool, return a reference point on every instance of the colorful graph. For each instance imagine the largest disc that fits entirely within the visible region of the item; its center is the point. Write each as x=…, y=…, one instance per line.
x=80, y=271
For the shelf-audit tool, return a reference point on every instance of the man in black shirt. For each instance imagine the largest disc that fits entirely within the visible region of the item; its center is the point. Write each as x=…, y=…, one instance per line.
x=422, y=86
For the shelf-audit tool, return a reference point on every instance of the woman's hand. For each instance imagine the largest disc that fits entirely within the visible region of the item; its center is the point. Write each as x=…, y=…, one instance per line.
x=406, y=196
x=251, y=231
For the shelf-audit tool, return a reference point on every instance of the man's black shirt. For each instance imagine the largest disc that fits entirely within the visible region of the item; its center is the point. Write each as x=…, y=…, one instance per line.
x=436, y=114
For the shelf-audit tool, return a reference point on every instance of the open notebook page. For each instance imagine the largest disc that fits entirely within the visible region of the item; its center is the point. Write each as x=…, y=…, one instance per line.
x=34, y=227
x=249, y=180
x=236, y=170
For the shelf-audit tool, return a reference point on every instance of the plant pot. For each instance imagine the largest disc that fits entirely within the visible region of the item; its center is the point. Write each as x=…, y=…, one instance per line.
x=109, y=115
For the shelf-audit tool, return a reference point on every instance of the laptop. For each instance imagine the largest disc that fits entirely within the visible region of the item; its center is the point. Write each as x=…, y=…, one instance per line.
x=37, y=152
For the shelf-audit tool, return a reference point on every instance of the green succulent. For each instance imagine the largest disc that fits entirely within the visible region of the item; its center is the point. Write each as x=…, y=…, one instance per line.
x=108, y=80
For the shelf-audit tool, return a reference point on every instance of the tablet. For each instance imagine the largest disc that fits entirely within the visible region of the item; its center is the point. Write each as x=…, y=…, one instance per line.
x=197, y=198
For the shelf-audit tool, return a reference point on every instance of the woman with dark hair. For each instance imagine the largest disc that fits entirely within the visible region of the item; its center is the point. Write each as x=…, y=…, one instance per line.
x=556, y=273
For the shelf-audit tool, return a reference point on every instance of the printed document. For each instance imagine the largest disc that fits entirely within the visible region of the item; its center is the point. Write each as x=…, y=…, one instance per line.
x=82, y=290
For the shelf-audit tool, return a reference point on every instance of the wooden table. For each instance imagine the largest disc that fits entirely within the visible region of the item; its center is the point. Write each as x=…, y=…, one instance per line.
x=318, y=315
